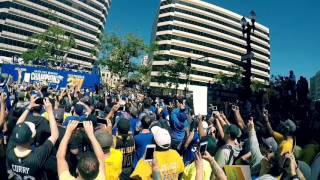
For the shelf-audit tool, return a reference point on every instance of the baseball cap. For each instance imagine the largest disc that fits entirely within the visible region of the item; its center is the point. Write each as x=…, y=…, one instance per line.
x=78, y=108
x=290, y=125
x=233, y=131
x=105, y=140
x=161, y=137
x=123, y=124
x=24, y=132
x=101, y=114
x=271, y=143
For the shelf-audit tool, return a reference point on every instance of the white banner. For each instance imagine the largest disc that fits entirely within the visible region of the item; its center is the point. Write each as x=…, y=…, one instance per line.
x=200, y=96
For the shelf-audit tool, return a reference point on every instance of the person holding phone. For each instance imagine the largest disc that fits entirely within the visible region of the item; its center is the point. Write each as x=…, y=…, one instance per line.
x=231, y=150
x=285, y=137
x=124, y=142
x=205, y=168
x=179, y=124
x=169, y=163
x=90, y=166
x=143, y=139
x=191, y=146
x=272, y=165
x=25, y=160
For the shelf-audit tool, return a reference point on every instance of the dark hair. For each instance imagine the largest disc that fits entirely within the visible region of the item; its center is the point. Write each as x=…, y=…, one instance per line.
x=147, y=103
x=37, y=109
x=145, y=122
x=67, y=108
x=88, y=166
x=180, y=100
x=276, y=169
x=100, y=106
x=232, y=137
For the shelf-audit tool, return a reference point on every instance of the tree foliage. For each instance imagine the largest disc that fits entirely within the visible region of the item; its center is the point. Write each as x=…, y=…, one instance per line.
x=173, y=72
x=229, y=81
x=119, y=54
x=52, y=44
x=256, y=86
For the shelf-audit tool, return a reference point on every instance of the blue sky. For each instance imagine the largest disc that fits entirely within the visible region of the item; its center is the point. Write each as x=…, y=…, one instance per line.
x=294, y=28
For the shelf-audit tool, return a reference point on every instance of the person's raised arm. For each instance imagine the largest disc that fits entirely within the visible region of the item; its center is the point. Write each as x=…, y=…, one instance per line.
x=52, y=121
x=62, y=164
x=25, y=114
x=155, y=169
x=217, y=172
x=219, y=128
x=238, y=117
x=3, y=99
x=256, y=155
x=266, y=120
x=219, y=118
x=189, y=139
x=69, y=97
x=61, y=95
x=199, y=167
x=293, y=169
x=112, y=112
x=202, y=133
x=88, y=127
x=224, y=118
x=109, y=126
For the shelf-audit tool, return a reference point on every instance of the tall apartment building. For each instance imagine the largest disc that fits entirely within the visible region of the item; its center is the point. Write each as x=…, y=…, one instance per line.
x=315, y=87
x=211, y=36
x=83, y=19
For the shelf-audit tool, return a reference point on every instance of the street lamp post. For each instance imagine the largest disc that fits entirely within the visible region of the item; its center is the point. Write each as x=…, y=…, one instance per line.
x=189, y=61
x=248, y=29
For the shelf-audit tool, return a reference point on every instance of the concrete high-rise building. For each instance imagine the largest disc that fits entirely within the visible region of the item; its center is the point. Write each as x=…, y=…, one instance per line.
x=211, y=36
x=83, y=19
x=315, y=87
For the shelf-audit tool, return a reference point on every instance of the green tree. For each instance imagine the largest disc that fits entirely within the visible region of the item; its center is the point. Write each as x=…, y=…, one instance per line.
x=120, y=55
x=228, y=80
x=256, y=86
x=52, y=44
x=141, y=75
x=172, y=73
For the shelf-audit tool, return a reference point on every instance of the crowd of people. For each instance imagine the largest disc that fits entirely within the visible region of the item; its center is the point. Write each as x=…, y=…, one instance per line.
x=128, y=134
x=57, y=65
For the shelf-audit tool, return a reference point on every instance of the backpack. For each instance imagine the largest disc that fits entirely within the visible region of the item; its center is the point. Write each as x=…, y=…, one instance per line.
x=229, y=147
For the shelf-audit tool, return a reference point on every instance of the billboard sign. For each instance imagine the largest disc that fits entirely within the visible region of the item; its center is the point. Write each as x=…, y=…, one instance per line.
x=53, y=77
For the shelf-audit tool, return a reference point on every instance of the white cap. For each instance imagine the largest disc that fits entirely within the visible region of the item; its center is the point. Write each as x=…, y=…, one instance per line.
x=161, y=137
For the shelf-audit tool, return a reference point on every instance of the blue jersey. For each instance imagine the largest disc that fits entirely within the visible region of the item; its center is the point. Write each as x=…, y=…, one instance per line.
x=74, y=118
x=189, y=154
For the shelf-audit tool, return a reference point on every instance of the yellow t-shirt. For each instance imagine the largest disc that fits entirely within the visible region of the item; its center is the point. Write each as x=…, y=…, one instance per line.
x=170, y=166
x=285, y=145
x=67, y=176
x=190, y=171
x=66, y=115
x=45, y=115
x=143, y=171
x=113, y=164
